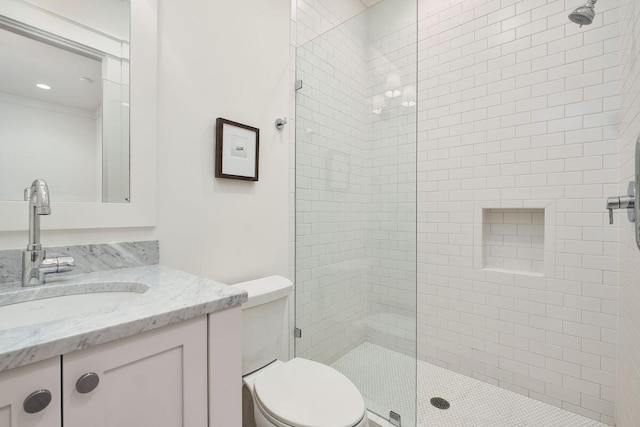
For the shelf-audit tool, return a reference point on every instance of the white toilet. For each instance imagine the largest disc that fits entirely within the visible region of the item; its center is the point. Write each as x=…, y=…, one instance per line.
x=297, y=393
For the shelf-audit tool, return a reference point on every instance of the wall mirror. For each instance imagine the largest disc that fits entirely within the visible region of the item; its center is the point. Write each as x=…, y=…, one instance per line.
x=77, y=109
x=64, y=99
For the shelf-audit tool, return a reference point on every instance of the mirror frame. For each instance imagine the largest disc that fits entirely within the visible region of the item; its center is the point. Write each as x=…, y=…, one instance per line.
x=141, y=210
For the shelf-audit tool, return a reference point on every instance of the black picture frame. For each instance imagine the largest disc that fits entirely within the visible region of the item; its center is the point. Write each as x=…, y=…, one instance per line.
x=242, y=147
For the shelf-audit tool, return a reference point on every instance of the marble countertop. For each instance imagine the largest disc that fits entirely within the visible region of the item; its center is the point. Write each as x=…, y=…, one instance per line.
x=172, y=296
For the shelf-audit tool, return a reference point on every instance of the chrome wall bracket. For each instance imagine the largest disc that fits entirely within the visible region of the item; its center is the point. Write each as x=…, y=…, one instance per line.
x=298, y=84
x=297, y=332
x=395, y=419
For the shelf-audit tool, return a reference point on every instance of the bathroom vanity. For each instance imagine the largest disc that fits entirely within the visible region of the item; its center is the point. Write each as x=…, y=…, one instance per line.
x=170, y=355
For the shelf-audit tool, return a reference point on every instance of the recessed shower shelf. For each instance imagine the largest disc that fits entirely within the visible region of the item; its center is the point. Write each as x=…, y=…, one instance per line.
x=524, y=273
x=513, y=240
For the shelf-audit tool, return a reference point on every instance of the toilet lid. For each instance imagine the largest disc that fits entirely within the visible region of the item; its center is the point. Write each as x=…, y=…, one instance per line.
x=304, y=393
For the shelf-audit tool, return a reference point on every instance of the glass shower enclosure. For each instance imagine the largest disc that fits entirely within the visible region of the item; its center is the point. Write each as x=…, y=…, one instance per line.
x=356, y=152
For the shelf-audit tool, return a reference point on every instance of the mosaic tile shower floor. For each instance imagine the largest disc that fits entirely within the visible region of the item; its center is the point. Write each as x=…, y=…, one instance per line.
x=387, y=381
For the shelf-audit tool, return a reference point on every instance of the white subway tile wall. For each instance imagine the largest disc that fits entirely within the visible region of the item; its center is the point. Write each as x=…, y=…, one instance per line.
x=312, y=18
x=520, y=109
x=331, y=195
x=356, y=190
x=391, y=170
x=628, y=391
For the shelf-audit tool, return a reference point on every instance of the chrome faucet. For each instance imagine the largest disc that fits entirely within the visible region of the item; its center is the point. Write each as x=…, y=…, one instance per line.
x=35, y=264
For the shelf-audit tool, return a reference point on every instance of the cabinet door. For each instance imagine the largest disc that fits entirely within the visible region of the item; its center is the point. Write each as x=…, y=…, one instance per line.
x=17, y=384
x=154, y=379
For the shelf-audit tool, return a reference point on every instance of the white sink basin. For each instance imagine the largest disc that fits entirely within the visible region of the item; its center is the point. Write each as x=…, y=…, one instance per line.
x=44, y=304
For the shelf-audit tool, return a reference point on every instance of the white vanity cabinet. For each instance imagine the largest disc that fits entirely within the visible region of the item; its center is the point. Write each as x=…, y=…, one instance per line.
x=225, y=368
x=157, y=378
x=18, y=384
x=187, y=374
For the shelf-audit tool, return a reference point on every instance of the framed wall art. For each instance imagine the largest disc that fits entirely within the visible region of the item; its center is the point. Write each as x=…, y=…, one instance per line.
x=237, y=149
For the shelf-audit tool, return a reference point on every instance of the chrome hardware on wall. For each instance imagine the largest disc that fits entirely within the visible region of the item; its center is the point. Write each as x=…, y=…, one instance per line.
x=395, y=419
x=87, y=383
x=622, y=202
x=280, y=123
x=37, y=401
x=632, y=200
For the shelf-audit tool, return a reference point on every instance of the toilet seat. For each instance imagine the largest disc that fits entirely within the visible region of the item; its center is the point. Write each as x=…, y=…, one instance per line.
x=304, y=393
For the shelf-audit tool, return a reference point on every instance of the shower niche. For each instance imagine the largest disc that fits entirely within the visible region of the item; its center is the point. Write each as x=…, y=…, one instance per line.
x=513, y=240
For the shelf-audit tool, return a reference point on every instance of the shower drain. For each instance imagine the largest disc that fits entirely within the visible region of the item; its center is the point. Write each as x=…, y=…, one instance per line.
x=439, y=403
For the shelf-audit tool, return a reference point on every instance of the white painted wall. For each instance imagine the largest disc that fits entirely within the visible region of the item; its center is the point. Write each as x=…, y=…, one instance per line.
x=42, y=140
x=216, y=59
x=222, y=59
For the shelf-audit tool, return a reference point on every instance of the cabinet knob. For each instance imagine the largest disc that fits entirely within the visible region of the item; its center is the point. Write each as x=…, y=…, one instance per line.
x=87, y=383
x=37, y=401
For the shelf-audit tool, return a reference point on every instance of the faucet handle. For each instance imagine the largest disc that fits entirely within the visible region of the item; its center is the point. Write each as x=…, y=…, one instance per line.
x=58, y=264
x=610, y=215
x=65, y=263
x=619, y=202
x=27, y=194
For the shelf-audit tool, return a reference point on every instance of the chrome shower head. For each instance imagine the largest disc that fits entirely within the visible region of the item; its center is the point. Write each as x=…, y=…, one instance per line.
x=584, y=15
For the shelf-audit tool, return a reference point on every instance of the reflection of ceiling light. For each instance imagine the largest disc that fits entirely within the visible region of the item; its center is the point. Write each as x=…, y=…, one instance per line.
x=43, y=86
x=84, y=79
x=125, y=104
x=392, y=87
x=408, y=96
x=377, y=104
x=392, y=93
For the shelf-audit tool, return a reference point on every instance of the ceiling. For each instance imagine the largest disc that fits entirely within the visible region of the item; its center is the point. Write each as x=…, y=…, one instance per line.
x=26, y=62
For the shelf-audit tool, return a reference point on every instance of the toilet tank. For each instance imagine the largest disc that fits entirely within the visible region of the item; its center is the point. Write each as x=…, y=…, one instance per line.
x=262, y=320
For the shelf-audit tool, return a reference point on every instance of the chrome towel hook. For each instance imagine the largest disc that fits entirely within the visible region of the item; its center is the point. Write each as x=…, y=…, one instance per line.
x=280, y=123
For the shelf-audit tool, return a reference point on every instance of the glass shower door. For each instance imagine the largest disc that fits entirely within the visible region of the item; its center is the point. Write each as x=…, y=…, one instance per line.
x=356, y=204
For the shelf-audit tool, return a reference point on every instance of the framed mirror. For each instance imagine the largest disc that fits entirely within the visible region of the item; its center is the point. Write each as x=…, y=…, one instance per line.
x=77, y=109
